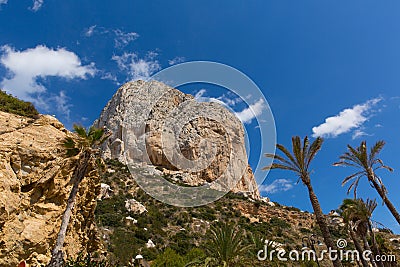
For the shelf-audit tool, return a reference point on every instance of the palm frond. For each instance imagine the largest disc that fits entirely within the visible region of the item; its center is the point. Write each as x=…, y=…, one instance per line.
x=95, y=135
x=279, y=166
x=281, y=160
x=80, y=131
x=371, y=205
x=348, y=178
x=345, y=163
x=381, y=165
x=305, y=150
x=354, y=186
x=376, y=149
x=296, y=148
x=71, y=149
x=314, y=148
x=285, y=151
x=349, y=157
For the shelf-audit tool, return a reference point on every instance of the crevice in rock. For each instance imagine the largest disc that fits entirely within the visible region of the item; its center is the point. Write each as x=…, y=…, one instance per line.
x=27, y=188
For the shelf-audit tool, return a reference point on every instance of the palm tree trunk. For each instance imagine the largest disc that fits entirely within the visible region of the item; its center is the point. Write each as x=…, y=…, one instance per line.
x=358, y=247
x=375, y=248
x=387, y=202
x=367, y=247
x=57, y=255
x=321, y=221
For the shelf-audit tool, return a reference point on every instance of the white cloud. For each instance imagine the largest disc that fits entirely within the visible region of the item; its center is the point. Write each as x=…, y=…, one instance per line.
x=37, y=4
x=122, y=39
x=62, y=104
x=109, y=76
x=358, y=133
x=137, y=68
x=176, y=60
x=254, y=110
x=3, y=2
x=346, y=120
x=26, y=67
x=276, y=186
x=89, y=31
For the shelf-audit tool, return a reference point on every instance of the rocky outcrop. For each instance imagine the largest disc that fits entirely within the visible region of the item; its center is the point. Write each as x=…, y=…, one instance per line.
x=134, y=206
x=152, y=109
x=35, y=185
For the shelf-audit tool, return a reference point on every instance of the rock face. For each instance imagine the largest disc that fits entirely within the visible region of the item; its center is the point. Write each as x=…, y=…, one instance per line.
x=34, y=186
x=158, y=108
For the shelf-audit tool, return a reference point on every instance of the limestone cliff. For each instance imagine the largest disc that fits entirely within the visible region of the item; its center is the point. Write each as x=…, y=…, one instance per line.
x=128, y=107
x=34, y=185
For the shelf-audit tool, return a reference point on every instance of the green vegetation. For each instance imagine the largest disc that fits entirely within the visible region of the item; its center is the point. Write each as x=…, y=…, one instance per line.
x=169, y=258
x=193, y=236
x=86, y=261
x=11, y=104
x=181, y=230
x=226, y=245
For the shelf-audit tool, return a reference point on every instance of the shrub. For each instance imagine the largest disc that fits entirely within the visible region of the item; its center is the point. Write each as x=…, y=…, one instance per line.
x=124, y=245
x=10, y=104
x=112, y=211
x=194, y=254
x=277, y=222
x=169, y=258
x=86, y=261
x=304, y=230
x=181, y=242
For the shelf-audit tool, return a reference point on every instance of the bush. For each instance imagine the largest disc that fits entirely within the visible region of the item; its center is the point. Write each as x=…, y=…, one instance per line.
x=182, y=242
x=277, y=222
x=86, y=261
x=10, y=104
x=124, y=245
x=169, y=258
x=304, y=230
x=112, y=211
x=194, y=254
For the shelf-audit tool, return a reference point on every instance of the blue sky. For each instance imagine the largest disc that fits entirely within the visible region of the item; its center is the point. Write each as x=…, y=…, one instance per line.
x=312, y=59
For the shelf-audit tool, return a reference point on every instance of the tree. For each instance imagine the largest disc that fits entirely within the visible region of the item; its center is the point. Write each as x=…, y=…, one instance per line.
x=85, y=144
x=299, y=162
x=226, y=245
x=367, y=164
x=357, y=215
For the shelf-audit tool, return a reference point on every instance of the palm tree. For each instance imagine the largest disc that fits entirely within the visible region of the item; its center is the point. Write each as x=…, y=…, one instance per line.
x=367, y=164
x=84, y=144
x=357, y=215
x=226, y=245
x=299, y=162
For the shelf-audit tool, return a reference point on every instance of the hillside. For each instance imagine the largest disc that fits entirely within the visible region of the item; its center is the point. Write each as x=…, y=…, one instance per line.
x=11, y=104
x=186, y=230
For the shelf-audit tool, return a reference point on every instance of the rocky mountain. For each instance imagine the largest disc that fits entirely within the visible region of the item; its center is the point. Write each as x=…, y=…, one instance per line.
x=35, y=185
x=146, y=114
